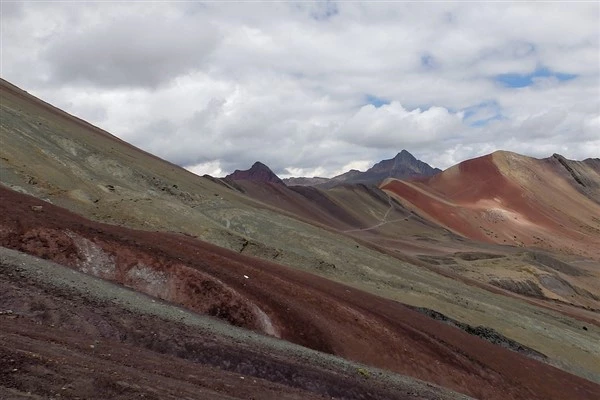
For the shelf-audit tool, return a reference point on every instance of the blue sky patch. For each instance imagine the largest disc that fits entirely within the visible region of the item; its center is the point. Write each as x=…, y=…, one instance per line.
x=524, y=80
x=376, y=101
x=485, y=121
x=326, y=10
x=428, y=61
x=483, y=113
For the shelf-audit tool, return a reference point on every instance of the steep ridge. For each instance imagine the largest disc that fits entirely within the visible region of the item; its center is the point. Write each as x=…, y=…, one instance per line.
x=305, y=202
x=586, y=174
x=278, y=301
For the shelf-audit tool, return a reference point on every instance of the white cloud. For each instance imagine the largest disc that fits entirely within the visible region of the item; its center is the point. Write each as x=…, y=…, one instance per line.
x=392, y=126
x=215, y=87
x=212, y=168
x=360, y=165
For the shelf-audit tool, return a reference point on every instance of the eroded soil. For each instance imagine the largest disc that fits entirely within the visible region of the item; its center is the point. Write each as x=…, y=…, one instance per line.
x=65, y=334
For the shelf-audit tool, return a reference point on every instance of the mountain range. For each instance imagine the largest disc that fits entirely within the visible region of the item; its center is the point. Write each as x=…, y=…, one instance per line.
x=403, y=166
x=123, y=275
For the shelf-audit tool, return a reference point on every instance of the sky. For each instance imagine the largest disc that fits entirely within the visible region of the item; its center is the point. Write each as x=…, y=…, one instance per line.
x=315, y=88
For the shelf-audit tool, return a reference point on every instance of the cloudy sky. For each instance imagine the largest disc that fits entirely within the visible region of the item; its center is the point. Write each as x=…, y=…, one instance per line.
x=316, y=87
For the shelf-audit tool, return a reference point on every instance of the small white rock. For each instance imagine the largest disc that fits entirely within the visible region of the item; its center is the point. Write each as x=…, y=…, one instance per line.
x=246, y=276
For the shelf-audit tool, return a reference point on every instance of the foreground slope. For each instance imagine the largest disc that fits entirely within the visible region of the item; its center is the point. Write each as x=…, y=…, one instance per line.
x=60, y=159
x=70, y=335
x=280, y=302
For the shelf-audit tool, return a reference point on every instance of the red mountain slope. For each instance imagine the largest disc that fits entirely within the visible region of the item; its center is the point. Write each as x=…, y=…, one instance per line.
x=512, y=199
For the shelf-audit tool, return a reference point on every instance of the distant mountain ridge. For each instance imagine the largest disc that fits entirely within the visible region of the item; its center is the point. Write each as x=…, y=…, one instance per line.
x=303, y=181
x=259, y=172
x=404, y=165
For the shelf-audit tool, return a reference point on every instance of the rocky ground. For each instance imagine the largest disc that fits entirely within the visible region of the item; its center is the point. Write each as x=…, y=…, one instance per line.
x=68, y=335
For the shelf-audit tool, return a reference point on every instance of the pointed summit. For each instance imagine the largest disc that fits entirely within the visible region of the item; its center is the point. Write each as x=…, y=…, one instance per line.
x=404, y=155
x=259, y=172
x=404, y=165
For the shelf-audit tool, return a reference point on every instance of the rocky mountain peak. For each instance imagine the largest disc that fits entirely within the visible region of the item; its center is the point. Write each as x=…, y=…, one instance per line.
x=259, y=172
x=403, y=165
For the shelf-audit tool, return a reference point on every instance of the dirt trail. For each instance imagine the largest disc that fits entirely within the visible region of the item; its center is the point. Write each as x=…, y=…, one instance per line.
x=384, y=219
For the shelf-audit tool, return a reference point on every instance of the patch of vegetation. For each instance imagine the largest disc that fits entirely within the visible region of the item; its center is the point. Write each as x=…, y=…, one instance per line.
x=364, y=372
x=474, y=256
x=544, y=260
x=526, y=288
x=483, y=332
x=437, y=260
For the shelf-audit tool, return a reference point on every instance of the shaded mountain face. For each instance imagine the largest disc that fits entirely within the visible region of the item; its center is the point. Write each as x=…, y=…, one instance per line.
x=583, y=175
x=259, y=172
x=351, y=175
x=303, y=181
x=403, y=166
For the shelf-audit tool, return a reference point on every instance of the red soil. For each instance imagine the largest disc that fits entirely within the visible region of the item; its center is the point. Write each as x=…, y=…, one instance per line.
x=301, y=307
x=477, y=200
x=448, y=215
